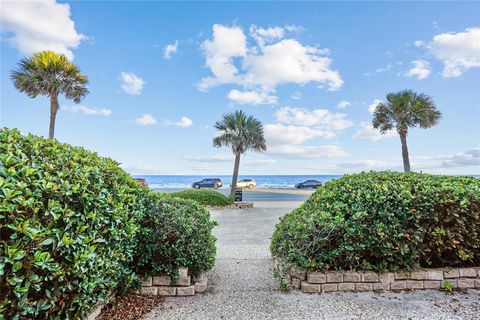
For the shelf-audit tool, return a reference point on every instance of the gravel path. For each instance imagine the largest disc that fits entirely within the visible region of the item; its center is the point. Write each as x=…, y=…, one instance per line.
x=241, y=285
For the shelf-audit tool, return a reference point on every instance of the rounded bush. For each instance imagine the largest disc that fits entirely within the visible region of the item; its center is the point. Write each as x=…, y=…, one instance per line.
x=72, y=225
x=384, y=221
x=174, y=233
x=67, y=220
x=205, y=197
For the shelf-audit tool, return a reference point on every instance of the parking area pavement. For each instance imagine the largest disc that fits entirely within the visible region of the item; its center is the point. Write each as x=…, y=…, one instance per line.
x=252, y=226
x=242, y=286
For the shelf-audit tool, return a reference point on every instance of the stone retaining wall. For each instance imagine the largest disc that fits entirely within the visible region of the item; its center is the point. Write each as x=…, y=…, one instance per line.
x=163, y=285
x=331, y=281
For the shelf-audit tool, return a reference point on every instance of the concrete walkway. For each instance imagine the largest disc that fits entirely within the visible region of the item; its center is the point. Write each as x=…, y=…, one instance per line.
x=241, y=285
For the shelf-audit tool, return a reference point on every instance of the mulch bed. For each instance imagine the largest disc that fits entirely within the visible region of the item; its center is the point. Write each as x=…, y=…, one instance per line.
x=130, y=307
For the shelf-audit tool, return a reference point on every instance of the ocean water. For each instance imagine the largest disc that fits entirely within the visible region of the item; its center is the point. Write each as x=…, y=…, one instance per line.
x=263, y=181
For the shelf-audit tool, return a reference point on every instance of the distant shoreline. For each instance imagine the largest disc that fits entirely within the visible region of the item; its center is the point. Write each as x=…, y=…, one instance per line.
x=247, y=191
x=273, y=183
x=286, y=182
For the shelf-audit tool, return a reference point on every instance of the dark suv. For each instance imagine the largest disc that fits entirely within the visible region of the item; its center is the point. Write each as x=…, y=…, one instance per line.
x=313, y=184
x=208, y=183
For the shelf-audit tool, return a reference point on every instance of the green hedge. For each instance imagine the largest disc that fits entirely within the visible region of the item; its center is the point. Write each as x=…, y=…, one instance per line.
x=205, y=197
x=384, y=221
x=175, y=233
x=70, y=227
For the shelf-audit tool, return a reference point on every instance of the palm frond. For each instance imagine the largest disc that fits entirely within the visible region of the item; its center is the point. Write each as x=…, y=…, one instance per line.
x=240, y=132
x=47, y=73
x=406, y=109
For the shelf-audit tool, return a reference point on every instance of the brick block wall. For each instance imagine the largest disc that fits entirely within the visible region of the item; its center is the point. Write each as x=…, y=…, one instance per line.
x=358, y=281
x=163, y=285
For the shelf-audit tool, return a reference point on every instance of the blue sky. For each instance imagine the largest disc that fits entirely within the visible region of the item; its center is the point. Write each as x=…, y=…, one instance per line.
x=161, y=74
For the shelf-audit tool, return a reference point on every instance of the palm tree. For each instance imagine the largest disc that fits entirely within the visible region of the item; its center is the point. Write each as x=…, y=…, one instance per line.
x=241, y=133
x=403, y=110
x=50, y=74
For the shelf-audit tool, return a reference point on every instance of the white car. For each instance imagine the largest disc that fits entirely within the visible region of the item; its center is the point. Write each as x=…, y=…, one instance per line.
x=246, y=184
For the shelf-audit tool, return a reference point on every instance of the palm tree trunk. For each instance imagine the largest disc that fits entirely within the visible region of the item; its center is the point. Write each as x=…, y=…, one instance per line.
x=406, y=160
x=235, y=175
x=53, y=114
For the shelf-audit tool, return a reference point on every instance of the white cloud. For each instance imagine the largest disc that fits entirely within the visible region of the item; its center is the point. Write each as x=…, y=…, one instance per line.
x=386, y=68
x=213, y=158
x=296, y=95
x=227, y=44
x=131, y=83
x=367, y=132
x=259, y=162
x=170, y=50
x=466, y=162
x=288, y=61
x=373, y=105
x=279, y=134
x=142, y=169
x=229, y=158
x=146, y=120
x=202, y=168
x=458, y=51
x=269, y=35
x=467, y=158
x=365, y=164
x=418, y=43
x=40, y=25
x=383, y=69
x=88, y=111
x=251, y=97
x=266, y=63
x=307, y=152
x=184, y=122
x=294, y=28
x=421, y=69
x=319, y=117
x=297, y=125
x=343, y=104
